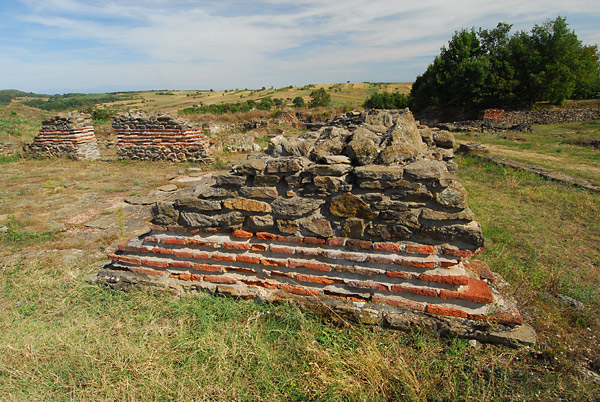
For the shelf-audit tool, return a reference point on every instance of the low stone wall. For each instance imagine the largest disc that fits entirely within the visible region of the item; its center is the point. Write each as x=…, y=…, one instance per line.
x=499, y=120
x=370, y=220
x=70, y=136
x=160, y=137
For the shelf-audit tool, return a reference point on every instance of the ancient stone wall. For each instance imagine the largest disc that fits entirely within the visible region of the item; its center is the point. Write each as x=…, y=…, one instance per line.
x=498, y=120
x=370, y=221
x=70, y=136
x=160, y=137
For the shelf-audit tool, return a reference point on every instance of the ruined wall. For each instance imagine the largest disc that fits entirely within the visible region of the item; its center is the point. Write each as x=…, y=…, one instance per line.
x=499, y=120
x=70, y=136
x=160, y=137
x=371, y=221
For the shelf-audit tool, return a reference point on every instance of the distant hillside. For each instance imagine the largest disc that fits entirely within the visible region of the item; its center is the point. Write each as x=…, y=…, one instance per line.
x=353, y=94
x=7, y=95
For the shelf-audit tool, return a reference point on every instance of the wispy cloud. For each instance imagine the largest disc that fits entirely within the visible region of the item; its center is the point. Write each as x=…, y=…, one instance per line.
x=86, y=44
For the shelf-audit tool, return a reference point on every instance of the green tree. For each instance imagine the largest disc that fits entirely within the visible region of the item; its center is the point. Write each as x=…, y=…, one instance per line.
x=319, y=97
x=489, y=68
x=386, y=100
x=298, y=102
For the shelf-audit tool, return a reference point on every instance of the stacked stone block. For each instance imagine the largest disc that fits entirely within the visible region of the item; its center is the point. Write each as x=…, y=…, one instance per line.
x=160, y=137
x=70, y=136
x=370, y=221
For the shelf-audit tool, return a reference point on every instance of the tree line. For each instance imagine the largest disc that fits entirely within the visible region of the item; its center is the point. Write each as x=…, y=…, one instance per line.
x=484, y=68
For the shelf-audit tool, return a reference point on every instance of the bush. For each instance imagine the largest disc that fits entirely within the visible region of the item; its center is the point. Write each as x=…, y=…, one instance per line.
x=298, y=102
x=319, y=97
x=386, y=100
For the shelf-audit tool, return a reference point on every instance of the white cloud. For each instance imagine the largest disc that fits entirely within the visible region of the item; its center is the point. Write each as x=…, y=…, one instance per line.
x=226, y=43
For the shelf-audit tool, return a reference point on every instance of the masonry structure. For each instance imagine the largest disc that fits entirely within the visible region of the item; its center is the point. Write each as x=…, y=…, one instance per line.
x=160, y=137
x=369, y=225
x=70, y=135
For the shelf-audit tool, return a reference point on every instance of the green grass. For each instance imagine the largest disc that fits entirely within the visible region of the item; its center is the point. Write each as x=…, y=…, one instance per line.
x=62, y=338
x=556, y=146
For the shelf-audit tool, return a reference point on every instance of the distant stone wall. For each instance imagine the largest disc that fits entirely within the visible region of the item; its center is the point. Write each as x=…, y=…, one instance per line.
x=371, y=221
x=70, y=136
x=160, y=137
x=499, y=120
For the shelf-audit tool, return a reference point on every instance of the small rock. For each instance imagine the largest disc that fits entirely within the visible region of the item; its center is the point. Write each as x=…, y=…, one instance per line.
x=167, y=188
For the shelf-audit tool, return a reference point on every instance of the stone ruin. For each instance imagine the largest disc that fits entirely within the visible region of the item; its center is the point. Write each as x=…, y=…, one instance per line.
x=367, y=225
x=70, y=135
x=160, y=137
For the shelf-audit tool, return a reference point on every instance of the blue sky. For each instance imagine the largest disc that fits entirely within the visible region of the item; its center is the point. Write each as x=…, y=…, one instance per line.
x=55, y=46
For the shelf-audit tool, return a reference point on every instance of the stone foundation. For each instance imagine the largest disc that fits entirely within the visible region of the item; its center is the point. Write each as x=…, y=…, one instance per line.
x=371, y=222
x=70, y=136
x=160, y=137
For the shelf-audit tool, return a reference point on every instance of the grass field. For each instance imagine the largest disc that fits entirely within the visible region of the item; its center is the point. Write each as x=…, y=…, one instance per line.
x=565, y=147
x=62, y=338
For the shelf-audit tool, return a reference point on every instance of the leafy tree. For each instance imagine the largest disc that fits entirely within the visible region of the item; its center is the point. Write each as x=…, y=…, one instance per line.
x=386, y=100
x=298, y=102
x=319, y=97
x=488, y=68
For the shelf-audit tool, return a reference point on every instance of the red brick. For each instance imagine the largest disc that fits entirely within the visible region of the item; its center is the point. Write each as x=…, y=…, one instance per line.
x=452, y=312
x=300, y=290
x=317, y=266
x=391, y=247
x=511, y=317
x=158, y=228
x=415, y=263
x=258, y=247
x=147, y=271
x=448, y=264
x=201, y=256
x=113, y=257
x=196, y=277
x=317, y=279
x=179, y=229
x=151, y=239
x=414, y=290
x=281, y=249
x=248, y=258
x=201, y=243
x=243, y=270
x=336, y=241
x=236, y=246
x=183, y=253
x=399, y=274
x=478, y=291
x=313, y=240
x=458, y=252
x=262, y=284
x=219, y=279
x=186, y=276
x=161, y=250
x=129, y=260
x=381, y=259
x=357, y=257
x=396, y=302
x=272, y=262
x=420, y=249
x=223, y=257
x=309, y=252
x=290, y=239
x=243, y=234
x=359, y=244
x=368, y=285
x=266, y=236
x=180, y=264
x=448, y=280
x=283, y=274
x=173, y=240
x=207, y=267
